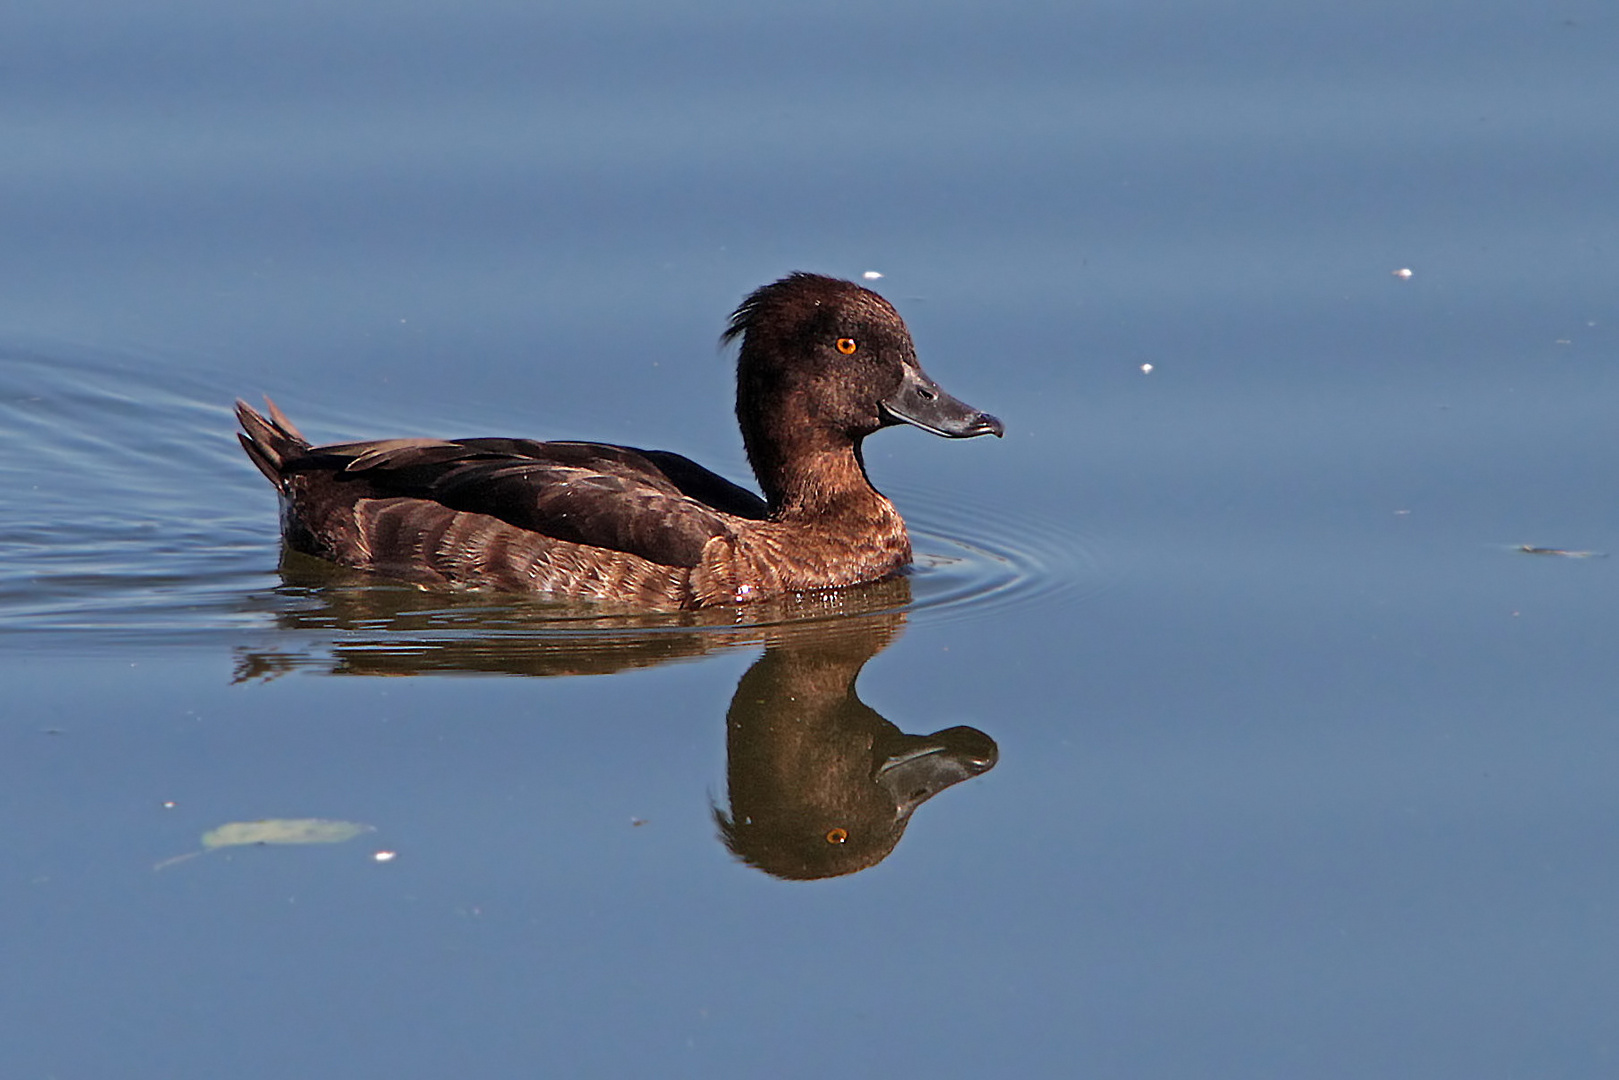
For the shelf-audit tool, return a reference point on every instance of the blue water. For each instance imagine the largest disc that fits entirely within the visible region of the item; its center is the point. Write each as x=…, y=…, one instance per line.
x=1303, y=764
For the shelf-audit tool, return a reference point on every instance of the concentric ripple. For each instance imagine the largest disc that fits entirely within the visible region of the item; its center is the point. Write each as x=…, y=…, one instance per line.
x=992, y=562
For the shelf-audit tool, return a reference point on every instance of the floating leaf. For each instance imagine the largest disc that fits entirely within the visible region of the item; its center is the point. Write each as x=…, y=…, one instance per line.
x=284, y=831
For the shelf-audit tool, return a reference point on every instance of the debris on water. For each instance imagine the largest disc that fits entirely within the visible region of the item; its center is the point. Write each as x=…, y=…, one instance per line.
x=284, y=831
x=871, y=275
x=1403, y=273
x=274, y=831
x=1529, y=549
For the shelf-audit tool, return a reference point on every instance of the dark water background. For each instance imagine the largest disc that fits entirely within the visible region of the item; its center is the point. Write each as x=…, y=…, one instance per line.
x=1304, y=768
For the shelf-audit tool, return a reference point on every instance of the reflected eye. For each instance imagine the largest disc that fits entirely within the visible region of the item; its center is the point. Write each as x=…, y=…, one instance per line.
x=847, y=346
x=838, y=836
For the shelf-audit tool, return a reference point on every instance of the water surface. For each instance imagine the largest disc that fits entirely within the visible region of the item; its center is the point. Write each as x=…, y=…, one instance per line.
x=1239, y=734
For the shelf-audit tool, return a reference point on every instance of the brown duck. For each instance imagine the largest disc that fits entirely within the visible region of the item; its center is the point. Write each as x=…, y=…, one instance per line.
x=823, y=364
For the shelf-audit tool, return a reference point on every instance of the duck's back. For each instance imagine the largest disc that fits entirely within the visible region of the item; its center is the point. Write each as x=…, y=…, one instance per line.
x=660, y=506
x=572, y=518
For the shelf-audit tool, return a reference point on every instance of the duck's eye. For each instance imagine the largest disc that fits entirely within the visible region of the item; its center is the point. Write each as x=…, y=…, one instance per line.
x=847, y=346
x=838, y=836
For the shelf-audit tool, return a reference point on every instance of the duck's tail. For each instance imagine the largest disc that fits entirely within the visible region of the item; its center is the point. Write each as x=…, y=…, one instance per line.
x=270, y=441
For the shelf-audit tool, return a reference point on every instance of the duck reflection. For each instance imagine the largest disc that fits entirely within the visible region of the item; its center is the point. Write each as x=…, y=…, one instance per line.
x=818, y=784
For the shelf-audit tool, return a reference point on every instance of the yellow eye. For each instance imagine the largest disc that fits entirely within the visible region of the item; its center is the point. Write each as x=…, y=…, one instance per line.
x=838, y=836
x=847, y=346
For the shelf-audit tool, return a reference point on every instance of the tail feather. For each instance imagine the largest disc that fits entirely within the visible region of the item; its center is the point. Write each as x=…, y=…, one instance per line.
x=270, y=441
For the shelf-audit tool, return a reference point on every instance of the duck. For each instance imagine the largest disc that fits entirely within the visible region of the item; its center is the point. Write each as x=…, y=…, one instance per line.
x=823, y=363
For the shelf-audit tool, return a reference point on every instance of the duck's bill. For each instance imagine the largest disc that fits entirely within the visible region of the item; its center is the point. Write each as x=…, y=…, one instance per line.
x=918, y=767
x=919, y=401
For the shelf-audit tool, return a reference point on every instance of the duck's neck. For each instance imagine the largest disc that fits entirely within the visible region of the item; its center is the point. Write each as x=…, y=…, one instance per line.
x=817, y=479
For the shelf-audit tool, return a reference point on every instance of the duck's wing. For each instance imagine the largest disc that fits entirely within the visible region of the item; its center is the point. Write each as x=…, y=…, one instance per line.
x=659, y=506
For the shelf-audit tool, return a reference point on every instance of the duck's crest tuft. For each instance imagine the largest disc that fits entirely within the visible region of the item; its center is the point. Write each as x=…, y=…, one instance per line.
x=798, y=284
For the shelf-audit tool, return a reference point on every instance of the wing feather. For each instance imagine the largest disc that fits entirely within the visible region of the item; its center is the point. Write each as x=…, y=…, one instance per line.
x=654, y=504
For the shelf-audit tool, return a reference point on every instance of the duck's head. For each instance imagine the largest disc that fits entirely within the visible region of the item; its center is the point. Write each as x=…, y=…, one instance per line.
x=836, y=357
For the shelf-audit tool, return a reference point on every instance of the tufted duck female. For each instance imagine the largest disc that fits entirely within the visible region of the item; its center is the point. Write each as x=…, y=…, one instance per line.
x=823, y=364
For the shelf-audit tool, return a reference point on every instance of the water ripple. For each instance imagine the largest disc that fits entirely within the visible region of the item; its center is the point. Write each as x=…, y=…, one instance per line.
x=131, y=517
x=994, y=561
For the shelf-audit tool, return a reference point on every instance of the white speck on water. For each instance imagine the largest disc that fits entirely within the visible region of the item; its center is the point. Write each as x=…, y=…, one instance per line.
x=1403, y=273
x=1146, y=369
x=871, y=275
